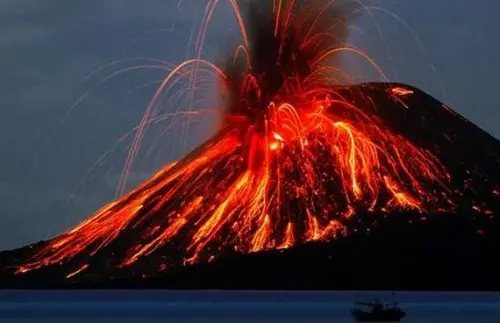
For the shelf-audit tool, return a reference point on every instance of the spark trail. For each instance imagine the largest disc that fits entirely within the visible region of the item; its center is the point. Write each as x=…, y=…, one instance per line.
x=294, y=160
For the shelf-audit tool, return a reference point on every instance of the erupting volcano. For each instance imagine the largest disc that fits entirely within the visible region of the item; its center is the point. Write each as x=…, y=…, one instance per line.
x=297, y=158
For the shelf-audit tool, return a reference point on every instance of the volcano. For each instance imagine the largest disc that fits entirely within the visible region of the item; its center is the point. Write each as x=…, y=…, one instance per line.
x=153, y=230
x=298, y=163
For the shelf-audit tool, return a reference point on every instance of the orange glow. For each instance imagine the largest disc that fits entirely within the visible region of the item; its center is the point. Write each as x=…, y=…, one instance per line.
x=401, y=91
x=268, y=183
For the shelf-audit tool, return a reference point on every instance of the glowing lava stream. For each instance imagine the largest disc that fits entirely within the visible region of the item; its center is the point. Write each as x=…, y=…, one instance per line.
x=266, y=179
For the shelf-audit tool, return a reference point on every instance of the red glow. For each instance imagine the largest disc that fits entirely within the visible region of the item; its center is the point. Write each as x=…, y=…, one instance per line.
x=266, y=183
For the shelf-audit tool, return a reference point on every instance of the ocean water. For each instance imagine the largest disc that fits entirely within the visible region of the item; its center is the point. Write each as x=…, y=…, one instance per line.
x=237, y=306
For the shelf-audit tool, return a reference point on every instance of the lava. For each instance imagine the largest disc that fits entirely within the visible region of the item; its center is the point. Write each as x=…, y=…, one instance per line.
x=293, y=160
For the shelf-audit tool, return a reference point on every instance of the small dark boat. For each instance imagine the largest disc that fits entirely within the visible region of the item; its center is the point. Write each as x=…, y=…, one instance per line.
x=378, y=313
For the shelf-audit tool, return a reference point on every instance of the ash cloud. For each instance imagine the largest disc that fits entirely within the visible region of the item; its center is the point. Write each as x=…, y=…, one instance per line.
x=283, y=45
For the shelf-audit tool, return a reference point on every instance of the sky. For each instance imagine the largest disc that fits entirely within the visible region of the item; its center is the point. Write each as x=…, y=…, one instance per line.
x=61, y=111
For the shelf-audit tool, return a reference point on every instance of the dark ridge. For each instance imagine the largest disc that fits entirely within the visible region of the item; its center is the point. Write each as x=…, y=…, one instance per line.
x=447, y=252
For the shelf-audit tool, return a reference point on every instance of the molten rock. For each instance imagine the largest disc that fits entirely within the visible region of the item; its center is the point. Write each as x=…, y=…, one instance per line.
x=297, y=159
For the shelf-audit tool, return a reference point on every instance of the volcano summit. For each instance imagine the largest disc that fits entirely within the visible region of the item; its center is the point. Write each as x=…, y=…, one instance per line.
x=298, y=160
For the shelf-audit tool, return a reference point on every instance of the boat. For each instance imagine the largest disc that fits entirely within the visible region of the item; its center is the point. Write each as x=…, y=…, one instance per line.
x=378, y=312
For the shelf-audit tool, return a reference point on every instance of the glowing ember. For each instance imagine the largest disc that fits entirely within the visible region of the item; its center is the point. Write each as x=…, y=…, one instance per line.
x=401, y=91
x=293, y=160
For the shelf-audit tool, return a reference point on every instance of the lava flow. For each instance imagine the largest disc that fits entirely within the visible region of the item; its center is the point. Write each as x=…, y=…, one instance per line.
x=296, y=157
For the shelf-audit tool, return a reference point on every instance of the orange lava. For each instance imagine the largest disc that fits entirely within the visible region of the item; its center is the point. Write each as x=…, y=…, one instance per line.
x=267, y=183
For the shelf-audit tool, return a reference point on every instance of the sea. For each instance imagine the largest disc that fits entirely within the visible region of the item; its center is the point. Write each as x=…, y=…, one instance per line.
x=238, y=306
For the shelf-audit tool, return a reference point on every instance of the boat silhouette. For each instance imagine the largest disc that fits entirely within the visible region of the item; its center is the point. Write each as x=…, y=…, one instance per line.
x=378, y=312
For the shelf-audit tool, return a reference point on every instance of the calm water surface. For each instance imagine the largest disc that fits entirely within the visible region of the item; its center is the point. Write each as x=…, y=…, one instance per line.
x=237, y=306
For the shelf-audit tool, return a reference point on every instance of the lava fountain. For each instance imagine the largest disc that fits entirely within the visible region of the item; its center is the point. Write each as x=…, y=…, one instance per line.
x=292, y=161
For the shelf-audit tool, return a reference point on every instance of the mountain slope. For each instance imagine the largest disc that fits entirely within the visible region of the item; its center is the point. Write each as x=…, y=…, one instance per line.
x=449, y=219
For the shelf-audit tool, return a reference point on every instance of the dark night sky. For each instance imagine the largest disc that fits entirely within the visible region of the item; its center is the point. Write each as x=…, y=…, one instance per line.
x=49, y=47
